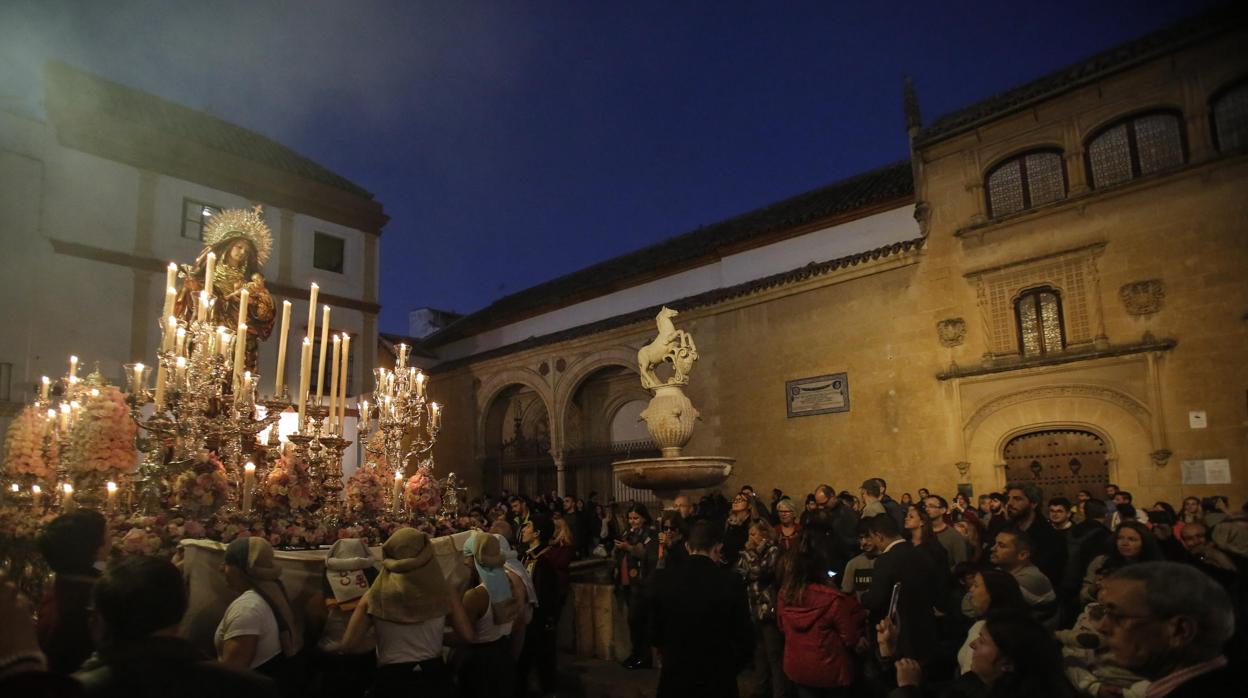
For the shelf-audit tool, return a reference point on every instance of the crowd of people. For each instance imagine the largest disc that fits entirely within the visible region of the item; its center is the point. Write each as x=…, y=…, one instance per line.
x=830, y=594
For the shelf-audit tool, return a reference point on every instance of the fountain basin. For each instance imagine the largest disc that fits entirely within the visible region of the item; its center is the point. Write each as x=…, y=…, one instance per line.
x=667, y=477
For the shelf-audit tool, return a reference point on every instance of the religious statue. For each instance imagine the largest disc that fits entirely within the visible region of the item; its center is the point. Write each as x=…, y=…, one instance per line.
x=237, y=243
x=671, y=345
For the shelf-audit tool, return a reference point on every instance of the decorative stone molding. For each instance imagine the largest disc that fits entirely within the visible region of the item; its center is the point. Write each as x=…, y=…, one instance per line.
x=1120, y=399
x=544, y=368
x=964, y=468
x=1143, y=297
x=1161, y=457
x=952, y=331
x=561, y=365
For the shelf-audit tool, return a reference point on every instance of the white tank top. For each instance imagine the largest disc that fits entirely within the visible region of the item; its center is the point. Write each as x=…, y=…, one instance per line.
x=485, y=627
x=399, y=643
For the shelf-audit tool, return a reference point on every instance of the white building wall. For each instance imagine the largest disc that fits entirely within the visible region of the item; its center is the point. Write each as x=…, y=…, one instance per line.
x=856, y=236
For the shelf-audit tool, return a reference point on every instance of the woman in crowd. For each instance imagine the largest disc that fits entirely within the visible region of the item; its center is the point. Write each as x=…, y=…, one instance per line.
x=259, y=630
x=991, y=590
x=487, y=665
x=636, y=556
x=736, y=528
x=906, y=499
x=1012, y=657
x=1133, y=543
x=919, y=525
x=349, y=572
x=821, y=624
x=672, y=535
x=757, y=565
x=788, y=527
x=407, y=607
x=561, y=553
x=1191, y=513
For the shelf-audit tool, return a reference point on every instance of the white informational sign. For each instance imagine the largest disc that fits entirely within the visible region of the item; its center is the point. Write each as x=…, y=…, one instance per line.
x=1214, y=471
x=1197, y=419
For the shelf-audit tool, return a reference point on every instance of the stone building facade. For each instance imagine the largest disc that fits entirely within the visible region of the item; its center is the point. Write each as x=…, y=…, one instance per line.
x=1053, y=288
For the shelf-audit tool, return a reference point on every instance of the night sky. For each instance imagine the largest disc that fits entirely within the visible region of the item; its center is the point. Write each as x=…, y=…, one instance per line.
x=512, y=142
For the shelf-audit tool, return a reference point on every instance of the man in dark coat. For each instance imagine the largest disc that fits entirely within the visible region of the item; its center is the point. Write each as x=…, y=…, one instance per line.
x=900, y=562
x=1048, y=548
x=701, y=623
x=74, y=545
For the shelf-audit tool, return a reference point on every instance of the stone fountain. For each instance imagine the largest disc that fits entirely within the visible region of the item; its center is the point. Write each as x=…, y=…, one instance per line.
x=670, y=418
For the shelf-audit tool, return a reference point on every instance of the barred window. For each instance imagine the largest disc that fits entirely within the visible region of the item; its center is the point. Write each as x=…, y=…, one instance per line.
x=1039, y=315
x=195, y=215
x=1023, y=182
x=1135, y=147
x=1230, y=117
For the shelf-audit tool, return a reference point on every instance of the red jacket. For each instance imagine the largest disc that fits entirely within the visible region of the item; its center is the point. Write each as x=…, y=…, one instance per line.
x=819, y=636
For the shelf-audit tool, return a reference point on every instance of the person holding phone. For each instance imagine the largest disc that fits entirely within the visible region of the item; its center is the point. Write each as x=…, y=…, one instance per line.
x=911, y=605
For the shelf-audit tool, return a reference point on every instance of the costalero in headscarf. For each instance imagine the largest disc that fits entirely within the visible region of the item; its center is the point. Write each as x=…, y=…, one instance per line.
x=488, y=558
x=411, y=587
x=253, y=556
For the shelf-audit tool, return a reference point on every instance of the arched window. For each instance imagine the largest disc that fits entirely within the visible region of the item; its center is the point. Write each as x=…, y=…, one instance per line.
x=1022, y=182
x=1039, y=314
x=1135, y=147
x=1229, y=111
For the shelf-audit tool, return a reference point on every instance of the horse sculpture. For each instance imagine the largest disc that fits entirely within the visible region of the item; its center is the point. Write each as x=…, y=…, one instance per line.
x=673, y=346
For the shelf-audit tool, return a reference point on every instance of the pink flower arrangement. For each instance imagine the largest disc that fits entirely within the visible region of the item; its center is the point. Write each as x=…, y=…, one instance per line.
x=101, y=441
x=138, y=541
x=366, y=491
x=203, y=488
x=23, y=447
x=287, y=486
x=422, y=494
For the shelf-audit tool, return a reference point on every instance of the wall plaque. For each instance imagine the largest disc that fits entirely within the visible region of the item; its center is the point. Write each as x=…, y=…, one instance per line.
x=817, y=395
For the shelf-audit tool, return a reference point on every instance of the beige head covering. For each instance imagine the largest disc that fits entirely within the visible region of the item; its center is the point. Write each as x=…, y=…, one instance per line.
x=253, y=556
x=411, y=587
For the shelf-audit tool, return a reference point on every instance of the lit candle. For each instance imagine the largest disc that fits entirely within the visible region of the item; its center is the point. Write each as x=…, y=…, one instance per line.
x=249, y=486
x=171, y=330
x=305, y=365
x=179, y=373
x=333, y=385
x=320, y=371
x=64, y=418
x=36, y=495
x=240, y=352
x=436, y=410
x=111, y=501
x=420, y=384
x=44, y=386
x=160, y=385
x=225, y=342
x=73, y=365
x=179, y=344
x=242, y=305
x=171, y=277
x=210, y=273
x=364, y=416
x=139, y=383
x=15, y=488
x=170, y=294
x=280, y=374
x=397, y=496
x=342, y=376
x=67, y=501
x=312, y=311
x=246, y=395
x=202, y=312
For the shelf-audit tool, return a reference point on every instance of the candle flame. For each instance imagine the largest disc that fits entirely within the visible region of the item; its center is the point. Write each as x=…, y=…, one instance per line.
x=111, y=486
x=250, y=467
x=67, y=488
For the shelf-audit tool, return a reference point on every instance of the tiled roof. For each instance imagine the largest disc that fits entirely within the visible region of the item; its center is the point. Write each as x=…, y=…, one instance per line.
x=708, y=298
x=143, y=109
x=1119, y=58
x=879, y=186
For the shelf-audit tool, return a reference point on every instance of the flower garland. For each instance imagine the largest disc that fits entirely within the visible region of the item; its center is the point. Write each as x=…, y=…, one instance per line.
x=422, y=493
x=101, y=441
x=203, y=488
x=366, y=491
x=286, y=488
x=23, y=446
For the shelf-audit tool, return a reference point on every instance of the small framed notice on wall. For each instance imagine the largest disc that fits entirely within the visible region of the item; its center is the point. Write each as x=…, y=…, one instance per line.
x=817, y=395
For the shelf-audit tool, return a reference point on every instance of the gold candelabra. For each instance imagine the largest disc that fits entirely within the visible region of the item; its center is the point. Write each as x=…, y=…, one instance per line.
x=408, y=422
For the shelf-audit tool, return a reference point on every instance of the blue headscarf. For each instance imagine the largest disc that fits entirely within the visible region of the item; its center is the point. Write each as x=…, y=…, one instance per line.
x=488, y=559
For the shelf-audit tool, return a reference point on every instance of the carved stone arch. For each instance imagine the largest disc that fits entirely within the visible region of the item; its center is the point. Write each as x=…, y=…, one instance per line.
x=576, y=373
x=1127, y=112
x=1117, y=417
x=495, y=384
x=1049, y=145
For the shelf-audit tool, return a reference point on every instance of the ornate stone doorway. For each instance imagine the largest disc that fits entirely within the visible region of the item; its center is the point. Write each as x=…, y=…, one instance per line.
x=1060, y=461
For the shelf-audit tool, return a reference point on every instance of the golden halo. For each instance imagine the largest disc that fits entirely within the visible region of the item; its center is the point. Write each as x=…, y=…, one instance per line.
x=245, y=223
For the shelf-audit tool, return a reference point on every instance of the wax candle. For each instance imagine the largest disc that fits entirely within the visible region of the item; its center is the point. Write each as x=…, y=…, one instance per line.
x=111, y=500
x=242, y=305
x=225, y=342
x=160, y=385
x=36, y=495
x=210, y=273
x=305, y=365
x=436, y=411
x=249, y=486
x=312, y=311
x=139, y=383
x=73, y=365
x=67, y=500
x=240, y=352
x=201, y=313
x=397, y=495
x=279, y=380
x=364, y=416
x=179, y=373
x=44, y=385
x=179, y=343
x=171, y=330
x=64, y=418
x=171, y=276
x=333, y=385
x=15, y=488
x=342, y=376
x=320, y=371
x=420, y=384
x=170, y=294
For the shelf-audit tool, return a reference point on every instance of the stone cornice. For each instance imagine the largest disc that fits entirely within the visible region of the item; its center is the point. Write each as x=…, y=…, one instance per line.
x=1066, y=357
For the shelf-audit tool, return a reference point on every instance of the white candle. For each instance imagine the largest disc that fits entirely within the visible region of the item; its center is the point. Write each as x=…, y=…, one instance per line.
x=333, y=385
x=305, y=364
x=225, y=343
x=64, y=418
x=342, y=376
x=36, y=495
x=73, y=365
x=249, y=486
x=201, y=313
x=15, y=488
x=171, y=330
x=170, y=294
x=397, y=495
x=364, y=414
x=436, y=410
x=179, y=343
x=179, y=373
x=420, y=384
x=160, y=385
x=44, y=385
x=210, y=273
x=242, y=305
x=280, y=374
x=312, y=311
x=67, y=501
x=139, y=383
x=111, y=500
x=171, y=277
x=320, y=371
x=240, y=352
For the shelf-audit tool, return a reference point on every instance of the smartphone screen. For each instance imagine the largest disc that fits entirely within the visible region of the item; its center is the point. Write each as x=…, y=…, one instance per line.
x=893, y=616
